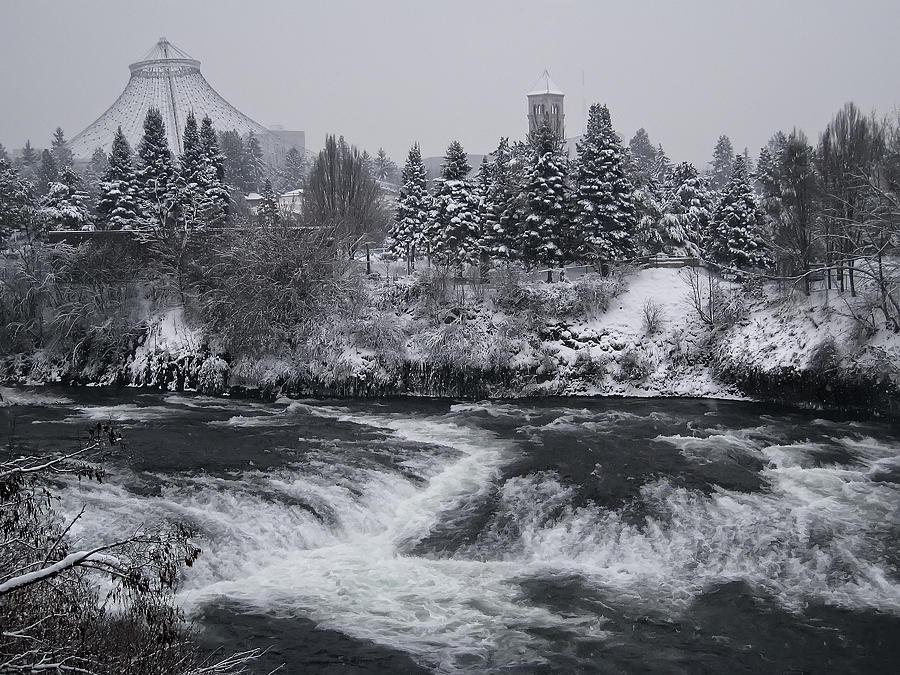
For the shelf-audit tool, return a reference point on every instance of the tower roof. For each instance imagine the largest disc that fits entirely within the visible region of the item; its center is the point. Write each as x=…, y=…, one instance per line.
x=164, y=57
x=169, y=79
x=545, y=85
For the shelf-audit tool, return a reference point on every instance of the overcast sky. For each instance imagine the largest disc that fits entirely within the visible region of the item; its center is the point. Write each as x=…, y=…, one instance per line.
x=390, y=72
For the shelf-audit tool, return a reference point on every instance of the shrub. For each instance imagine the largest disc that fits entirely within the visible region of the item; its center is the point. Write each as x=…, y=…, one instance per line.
x=653, y=317
x=633, y=366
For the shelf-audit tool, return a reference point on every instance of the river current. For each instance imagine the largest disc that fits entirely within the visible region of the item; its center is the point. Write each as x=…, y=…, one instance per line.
x=611, y=535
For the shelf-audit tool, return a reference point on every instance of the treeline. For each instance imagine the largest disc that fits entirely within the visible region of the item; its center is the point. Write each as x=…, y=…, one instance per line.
x=530, y=203
x=804, y=210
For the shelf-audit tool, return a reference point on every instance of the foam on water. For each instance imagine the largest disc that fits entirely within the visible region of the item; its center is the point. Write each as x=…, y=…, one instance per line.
x=332, y=536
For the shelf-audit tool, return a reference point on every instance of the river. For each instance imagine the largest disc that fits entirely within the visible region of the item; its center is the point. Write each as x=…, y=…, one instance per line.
x=582, y=535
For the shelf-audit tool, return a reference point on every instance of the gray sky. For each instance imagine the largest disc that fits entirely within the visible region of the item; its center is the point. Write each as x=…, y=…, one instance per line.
x=392, y=72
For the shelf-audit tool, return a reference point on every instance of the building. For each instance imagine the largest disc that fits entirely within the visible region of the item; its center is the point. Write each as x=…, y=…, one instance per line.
x=170, y=80
x=545, y=104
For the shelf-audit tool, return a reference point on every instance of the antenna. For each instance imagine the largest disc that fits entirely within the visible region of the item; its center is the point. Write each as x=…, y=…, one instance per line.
x=583, y=107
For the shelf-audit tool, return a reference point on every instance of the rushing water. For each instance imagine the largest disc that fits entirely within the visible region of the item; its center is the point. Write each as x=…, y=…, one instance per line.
x=539, y=536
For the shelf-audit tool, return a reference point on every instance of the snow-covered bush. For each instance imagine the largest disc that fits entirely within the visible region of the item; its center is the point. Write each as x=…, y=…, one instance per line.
x=653, y=317
x=633, y=367
x=212, y=377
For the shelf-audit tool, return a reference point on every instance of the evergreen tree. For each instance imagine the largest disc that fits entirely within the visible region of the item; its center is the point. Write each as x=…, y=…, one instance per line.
x=662, y=167
x=99, y=162
x=643, y=158
x=722, y=163
x=293, y=174
x=237, y=172
x=503, y=206
x=413, y=208
x=212, y=176
x=686, y=213
x=737, y=234
x=604, y=212
x=156, y=171
x=60, y=149
x=16, y=200
x=454, y=230
x=119, y=207
x=268, y=213
x=29, y=155
x=192, y=160
x=385, y=168
x=4, y=157
x=93, y=174
x=255, y=163
x=65, y=207
x=209, y=143
x=47, y=173
x=545, y=227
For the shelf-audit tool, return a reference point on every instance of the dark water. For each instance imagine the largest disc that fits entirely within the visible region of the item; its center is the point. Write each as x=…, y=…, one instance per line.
x=547, y=536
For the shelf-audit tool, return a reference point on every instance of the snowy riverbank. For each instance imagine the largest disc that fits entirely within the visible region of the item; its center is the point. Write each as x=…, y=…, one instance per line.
x=523, y=338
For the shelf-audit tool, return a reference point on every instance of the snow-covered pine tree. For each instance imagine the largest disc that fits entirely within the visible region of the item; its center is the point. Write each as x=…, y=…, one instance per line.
x=119, y=204
x=16, y=200
x=4, y=156
x=191, y=162
x=212, y=176
x=545, y=230
x=686, y=213
x=255, y=163
x=29, y=155
x=293, y=174
x=237, y=163
x=722, y=163
x=604, y=213
x=454, y=231
x=155, y=175
x=502, y=210
x=413, y=209
x=662, y=166
x=47, y=173
x=64, y=207
x=385, y=168
x=268, y=213
x=643, y=158
x=60, y=149
x=736, y=236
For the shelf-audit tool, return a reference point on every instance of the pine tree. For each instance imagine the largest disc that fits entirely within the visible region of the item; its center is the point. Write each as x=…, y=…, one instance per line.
x=544, y=234
x=47, y=173
x=604, y=212
x=16, y=200
x=212, y=175
x=255, y=162
x=192, y=160
x=4, y=157
x=503, y=206
x=119, y=207
x=686, y=213
x=385, y=168
x=722, y=163
x=413, y=209
x=156, y=171
x=268, y=213
x=237, y=164
x=454, y=230
x=209, y=143
x=643, y=158
x=293, y=175
x=29, y=155
x=60, y=149
x=64, y=207
x=737, y=235
x=662, y=167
